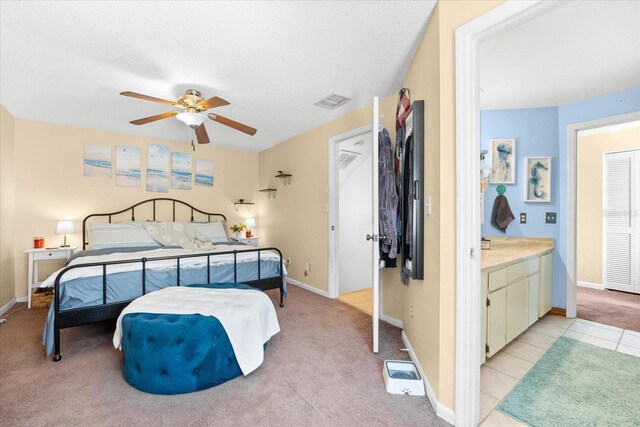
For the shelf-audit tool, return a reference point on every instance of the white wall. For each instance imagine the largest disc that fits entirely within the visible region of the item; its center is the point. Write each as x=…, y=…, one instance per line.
x=354, y=219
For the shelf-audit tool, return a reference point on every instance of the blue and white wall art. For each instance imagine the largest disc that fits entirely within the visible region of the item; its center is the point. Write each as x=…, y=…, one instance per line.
x=127, y=166
x=204, y=173
x=537, y=178
x=503, y=152
x=181, y=171
x=158, y=168
x=97, y=161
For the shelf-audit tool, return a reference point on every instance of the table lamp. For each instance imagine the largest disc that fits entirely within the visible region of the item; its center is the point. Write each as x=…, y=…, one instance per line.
x=64, y=227
x=251, y=222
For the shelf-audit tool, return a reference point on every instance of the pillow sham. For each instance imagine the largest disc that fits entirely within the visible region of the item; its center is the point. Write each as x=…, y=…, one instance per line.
x=105, y=235
x=214, y=231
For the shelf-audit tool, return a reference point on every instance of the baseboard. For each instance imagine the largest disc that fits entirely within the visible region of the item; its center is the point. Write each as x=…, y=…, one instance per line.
x=442, y=411
x=558, y=311
x=308, y=287
x=590, y=285
x=21, y=299
x=7, y=306
x=392, y=321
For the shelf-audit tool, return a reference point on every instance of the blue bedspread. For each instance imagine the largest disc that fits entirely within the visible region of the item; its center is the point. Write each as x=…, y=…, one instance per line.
x=126, y=286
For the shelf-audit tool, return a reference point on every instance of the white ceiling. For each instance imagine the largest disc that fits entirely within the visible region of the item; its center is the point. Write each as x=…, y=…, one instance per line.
x=574, y=51
x=66, y=62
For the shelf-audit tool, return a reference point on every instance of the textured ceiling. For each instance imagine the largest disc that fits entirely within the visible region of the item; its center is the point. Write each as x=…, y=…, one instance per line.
x=574, y=51
x=66, y=62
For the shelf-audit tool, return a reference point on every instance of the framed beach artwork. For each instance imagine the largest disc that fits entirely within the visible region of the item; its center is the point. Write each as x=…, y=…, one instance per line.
x=181, y=171
x=97, y=161
x=503, y=152
x=127, y=166
x=537, y=176
x=204, y=173
x=158, y=159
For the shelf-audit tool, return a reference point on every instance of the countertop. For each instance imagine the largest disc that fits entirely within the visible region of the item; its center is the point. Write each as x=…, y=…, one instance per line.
x=505, y=250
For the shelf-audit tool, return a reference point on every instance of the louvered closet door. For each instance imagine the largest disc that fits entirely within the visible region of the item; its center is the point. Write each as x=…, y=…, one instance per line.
x=621, y=224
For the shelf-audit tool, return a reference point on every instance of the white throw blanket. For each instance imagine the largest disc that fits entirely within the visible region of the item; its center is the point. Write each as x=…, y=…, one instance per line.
x=185, y=263
x=248, y=316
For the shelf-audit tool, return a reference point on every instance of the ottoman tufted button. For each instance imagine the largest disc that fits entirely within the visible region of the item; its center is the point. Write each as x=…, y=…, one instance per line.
x=163, y=372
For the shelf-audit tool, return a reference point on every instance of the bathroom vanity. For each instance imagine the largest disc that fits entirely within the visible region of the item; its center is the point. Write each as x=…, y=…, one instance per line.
x=516, y=285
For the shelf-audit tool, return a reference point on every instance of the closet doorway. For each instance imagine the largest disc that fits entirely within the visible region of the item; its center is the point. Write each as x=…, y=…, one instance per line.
x=352, y=163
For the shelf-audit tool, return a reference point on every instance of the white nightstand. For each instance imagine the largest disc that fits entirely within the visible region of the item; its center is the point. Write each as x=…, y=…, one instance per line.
x=251, y=241
x=37, y=255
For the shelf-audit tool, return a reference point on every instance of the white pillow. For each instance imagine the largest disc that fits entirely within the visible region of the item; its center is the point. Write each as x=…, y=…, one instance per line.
x=214, y=231
x=104, y=235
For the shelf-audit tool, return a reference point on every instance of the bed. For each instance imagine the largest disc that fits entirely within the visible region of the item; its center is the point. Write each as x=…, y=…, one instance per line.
x=103, y=279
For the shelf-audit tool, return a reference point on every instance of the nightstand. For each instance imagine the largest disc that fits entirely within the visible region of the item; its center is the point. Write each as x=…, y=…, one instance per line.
x=37, y=255
x=251, y=241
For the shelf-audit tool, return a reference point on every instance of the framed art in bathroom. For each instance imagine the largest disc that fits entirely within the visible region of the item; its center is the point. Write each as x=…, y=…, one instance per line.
x=537, y=178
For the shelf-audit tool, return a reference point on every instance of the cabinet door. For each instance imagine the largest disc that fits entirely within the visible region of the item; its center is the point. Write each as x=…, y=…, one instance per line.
x=546, y=285
x=534, y=286
x=496, y=321
x=517, y=308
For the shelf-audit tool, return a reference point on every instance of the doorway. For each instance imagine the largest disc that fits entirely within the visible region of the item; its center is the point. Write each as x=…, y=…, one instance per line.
x=352, y=161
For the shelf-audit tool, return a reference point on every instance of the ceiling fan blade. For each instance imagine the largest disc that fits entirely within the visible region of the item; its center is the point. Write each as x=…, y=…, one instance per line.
x=153, y=118
x=212, y=103
x=148, y=98
x=232, y=123
x=201, y=134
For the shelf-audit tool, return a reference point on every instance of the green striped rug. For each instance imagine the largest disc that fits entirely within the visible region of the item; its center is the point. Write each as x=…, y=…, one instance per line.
x=577, y=384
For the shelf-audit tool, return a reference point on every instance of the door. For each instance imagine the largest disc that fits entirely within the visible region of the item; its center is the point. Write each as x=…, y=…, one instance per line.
x=375, y=245
x=496, y=321
x=621, y=226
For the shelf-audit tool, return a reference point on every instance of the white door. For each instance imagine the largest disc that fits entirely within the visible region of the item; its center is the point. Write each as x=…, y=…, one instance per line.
x=373, y=237
x=621, y=222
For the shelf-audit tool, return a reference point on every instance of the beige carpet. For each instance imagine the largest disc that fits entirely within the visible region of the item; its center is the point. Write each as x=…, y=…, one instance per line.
x=614, y=308
x=318, y=371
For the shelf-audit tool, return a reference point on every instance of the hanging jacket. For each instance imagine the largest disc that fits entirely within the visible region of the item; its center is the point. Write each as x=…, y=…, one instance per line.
x=501, y=216
x=387, y=199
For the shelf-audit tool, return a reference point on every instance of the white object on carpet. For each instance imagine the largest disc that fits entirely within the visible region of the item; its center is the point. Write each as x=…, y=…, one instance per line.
x=248, y=316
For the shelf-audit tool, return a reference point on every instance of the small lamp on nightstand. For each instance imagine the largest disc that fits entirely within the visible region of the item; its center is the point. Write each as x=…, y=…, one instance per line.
x=64, y=227
x=251, y=222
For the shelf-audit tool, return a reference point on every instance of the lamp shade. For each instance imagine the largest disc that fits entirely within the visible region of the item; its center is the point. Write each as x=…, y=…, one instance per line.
x=192, y=120
x=251, y=222
x=64, y=227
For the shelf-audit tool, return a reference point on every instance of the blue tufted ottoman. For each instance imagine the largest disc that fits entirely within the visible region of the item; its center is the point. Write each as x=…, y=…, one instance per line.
x=171, y=353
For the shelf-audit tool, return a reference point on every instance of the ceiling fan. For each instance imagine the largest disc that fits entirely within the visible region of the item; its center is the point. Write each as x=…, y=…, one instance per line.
x=194, y=115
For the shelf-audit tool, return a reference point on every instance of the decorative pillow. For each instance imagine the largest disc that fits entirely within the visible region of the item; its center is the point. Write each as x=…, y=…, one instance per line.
x=170, y=233
x=104, y=235
x=214, y=231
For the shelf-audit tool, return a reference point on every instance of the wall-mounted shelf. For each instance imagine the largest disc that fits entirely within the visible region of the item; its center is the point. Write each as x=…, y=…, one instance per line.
x=269, y=192
x=241, y=202
x=284, y=177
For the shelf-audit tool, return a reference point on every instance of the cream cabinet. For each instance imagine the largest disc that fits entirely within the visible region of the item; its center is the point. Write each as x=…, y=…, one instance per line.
x=514, y=297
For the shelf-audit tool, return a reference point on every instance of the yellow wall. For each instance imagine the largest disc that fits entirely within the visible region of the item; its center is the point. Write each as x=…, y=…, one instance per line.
x=49, y=183
x=7, y=207
x=591, y=148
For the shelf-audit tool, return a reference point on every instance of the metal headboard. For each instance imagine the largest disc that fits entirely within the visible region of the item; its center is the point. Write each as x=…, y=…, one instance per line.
x=153, y=218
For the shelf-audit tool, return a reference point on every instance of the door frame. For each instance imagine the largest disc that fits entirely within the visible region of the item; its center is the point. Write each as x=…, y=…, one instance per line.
x=333, y=273
x=468, y=311
x=572, y=198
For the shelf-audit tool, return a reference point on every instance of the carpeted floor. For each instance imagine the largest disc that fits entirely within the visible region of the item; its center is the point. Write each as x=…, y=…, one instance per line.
x=614, y=308
x=319, y=370
x=576, y=384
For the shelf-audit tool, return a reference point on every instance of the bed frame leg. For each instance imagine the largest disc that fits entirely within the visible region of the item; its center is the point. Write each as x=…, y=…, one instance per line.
x=57, y=357
x=281, y=300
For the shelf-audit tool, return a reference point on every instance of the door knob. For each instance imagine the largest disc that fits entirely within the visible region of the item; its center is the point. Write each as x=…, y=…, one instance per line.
x=383, y=237
x=373, y=237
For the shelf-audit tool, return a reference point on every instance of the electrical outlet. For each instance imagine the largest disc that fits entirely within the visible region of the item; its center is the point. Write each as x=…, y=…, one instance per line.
x=550, y=217
x=523, y=217
x=288, y=261
x=307, y=266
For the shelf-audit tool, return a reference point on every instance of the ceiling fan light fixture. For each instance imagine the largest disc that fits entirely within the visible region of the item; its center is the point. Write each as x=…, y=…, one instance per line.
x=193, y=120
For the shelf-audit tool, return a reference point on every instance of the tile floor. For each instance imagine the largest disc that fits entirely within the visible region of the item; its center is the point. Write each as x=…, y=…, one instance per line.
x=500, y=373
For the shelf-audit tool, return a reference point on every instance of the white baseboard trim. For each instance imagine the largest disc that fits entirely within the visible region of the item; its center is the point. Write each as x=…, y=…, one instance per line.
x=308, y=287
x=392, y=321
x=441, y=411
x=590, y=285
x=7, y=306
x=21, y=299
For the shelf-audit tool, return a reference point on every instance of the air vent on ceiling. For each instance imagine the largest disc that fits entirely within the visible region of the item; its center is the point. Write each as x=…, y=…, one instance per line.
x=332, y=102
x=346, y=157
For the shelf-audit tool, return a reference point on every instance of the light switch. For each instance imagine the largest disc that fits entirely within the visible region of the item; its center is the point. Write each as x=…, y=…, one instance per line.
x=550, y=218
